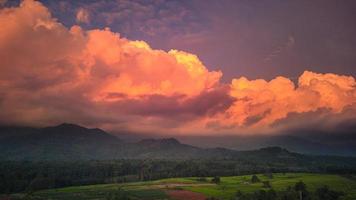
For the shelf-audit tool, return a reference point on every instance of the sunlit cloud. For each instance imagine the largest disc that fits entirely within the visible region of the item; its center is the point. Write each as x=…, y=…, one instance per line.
x=260, y=102
x=50, y=74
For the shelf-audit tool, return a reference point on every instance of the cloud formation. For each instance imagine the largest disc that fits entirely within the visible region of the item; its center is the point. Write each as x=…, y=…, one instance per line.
x=72, y=74
x=50, y=74
x=83, y=16
x=260, y=102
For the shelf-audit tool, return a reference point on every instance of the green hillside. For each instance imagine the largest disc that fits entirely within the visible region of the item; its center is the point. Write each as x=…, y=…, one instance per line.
x=226, y=189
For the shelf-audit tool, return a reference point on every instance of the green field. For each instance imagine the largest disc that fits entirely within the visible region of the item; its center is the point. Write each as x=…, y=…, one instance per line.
x=225, y=190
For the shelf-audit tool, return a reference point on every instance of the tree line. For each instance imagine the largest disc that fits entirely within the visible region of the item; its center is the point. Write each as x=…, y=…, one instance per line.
x=20, y=176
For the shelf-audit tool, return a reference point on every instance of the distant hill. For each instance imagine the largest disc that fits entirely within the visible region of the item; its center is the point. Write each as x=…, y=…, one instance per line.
x=73, y=142
x=306, y=143
x=63, y=142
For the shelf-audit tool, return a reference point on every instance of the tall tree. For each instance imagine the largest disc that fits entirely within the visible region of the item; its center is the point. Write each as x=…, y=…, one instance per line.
x=300, y=187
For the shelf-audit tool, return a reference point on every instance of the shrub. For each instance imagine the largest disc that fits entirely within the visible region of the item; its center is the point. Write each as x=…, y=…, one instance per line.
x=324, y=193
x=216, y=180
x=255, y=179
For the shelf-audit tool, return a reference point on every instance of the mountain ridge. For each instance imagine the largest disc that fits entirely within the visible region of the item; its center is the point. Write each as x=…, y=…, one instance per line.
x=73, y=142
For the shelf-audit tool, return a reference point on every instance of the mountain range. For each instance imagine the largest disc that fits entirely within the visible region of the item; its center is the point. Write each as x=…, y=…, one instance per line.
x=341, y=143
x=73, y=142
x=313, y=144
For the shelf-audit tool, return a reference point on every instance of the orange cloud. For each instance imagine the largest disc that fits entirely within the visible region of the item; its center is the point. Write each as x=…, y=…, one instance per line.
x=50, y=74
x=133, y=68
x=261, y=103
x=43, y=64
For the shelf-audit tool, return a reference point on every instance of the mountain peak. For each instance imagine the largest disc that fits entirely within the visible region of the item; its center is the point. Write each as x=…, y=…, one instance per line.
x=67, y=125
x=73, y=130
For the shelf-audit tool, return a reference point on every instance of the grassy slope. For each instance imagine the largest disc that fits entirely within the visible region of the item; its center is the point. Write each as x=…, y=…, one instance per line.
x=229, y=185
x=226, y=189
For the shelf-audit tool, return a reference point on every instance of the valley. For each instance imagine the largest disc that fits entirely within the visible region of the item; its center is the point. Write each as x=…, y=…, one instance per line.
x=197, y=188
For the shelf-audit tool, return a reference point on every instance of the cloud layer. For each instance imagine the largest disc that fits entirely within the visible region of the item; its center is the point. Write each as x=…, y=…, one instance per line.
x=50, y=74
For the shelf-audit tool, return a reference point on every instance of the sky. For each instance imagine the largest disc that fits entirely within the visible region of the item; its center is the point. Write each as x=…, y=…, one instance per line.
x=179, y=67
